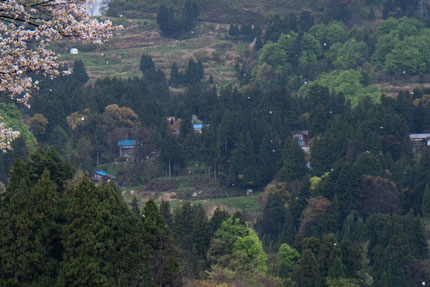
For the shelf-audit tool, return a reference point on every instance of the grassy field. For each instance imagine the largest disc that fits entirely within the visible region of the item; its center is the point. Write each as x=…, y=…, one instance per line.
x=120, y=56
x=180, y=189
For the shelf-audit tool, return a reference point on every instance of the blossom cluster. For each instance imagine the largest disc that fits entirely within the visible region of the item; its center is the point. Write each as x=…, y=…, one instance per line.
x=27, y=27
x=7, y=135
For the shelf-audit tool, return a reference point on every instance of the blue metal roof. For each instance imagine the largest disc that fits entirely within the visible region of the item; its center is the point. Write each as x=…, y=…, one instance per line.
x=199, y=126
x=127, y=143
x=102, y=173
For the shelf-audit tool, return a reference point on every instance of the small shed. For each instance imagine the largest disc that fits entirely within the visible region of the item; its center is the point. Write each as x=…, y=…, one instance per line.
x=74, y=51
x=127, y=148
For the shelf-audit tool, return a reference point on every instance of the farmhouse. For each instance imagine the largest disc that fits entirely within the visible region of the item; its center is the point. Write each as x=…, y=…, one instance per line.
x=419, y=141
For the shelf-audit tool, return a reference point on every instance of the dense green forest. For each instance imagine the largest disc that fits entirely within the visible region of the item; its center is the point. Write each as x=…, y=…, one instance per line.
x=345, y=193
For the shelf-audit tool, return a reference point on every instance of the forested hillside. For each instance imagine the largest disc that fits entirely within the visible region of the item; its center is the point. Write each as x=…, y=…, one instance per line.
x=249, y=143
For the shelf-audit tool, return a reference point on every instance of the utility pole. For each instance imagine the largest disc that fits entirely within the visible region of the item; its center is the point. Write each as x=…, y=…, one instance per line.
x=422, y=9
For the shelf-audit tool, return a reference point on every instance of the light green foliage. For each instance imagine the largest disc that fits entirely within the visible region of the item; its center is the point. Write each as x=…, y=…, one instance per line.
x=311, y=44
x=342, y=282
x=11, y=117
x=307, y=62
x=248, y=253
x=347, y=82
x=315, y=180
x=273, y=54
x=348, y=55
x=401, y=47
x=236, y=247
x=287, y=258
x=330, y=34
x=405, y=58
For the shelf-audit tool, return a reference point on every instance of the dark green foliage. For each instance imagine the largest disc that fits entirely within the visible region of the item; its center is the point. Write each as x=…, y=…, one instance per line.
x=166, y=213
x=194, y=72
x=172, y=25
x=30, y=231
x=60, y=170
x=176, y=77
x=135, y=206
x=243, y=164
x=164, y=269
x=79, y=73
x=219, y=216
x=102, y=241
x=306, y=273
x=147, y=65
x=425, y=206
x=272, y=222
x=294, y=164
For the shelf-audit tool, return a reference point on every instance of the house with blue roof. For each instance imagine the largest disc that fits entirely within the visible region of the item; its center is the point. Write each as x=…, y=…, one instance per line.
x=199, y=127
x=127, y=148
x=103, y=177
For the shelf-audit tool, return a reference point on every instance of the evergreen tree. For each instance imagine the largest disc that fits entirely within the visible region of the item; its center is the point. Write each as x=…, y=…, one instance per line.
x=306, y=273
x=176, y=78
x=60, y=170
x=293, y=167
x=147, y=66
x=30, y=231
x=102, y=240
x=164, y=269
x=271, y=224
x=135, y=206
x=79, y=73
x=425, y=206
x=242, y=169
x=166, y=213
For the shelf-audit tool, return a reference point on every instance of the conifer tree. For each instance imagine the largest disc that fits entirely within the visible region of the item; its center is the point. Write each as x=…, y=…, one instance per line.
x=20, y=252
x=293, y=167
x=306, y=273
x=425, y=206
x=166, y=213
x=135, y=206
x=164, y=268
x=242, y=169
x=79, y=73
x=102, y=242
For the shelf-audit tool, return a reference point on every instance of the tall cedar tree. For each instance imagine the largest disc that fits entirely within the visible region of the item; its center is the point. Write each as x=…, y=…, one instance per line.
x=243, y=169
x=306, y=273
x=294, y=165
x=30, y=232
x=103, y=243
x=164, y=268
